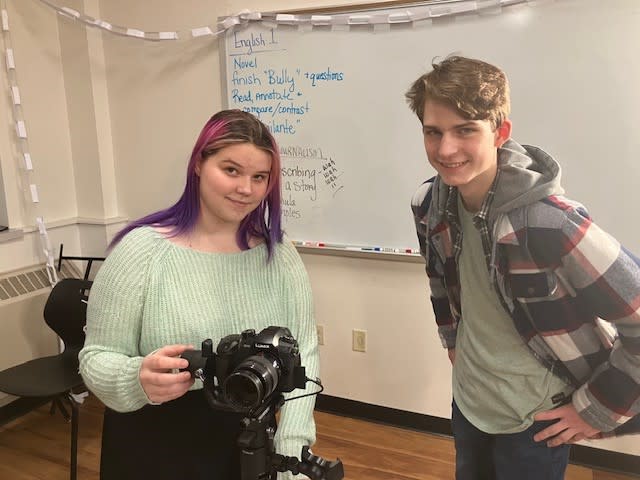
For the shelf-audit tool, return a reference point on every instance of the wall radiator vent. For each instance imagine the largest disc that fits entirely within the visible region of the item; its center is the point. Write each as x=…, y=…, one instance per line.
x=17, y=284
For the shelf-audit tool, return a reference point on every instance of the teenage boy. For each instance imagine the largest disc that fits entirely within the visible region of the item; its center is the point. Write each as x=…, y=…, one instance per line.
x=537, y=306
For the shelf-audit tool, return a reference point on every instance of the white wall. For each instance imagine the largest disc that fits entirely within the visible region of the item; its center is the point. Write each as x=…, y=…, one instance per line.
x=148, y=102
x=404, y=366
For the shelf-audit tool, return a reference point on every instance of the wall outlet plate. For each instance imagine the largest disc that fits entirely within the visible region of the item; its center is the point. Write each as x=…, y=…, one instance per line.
x=359, y=340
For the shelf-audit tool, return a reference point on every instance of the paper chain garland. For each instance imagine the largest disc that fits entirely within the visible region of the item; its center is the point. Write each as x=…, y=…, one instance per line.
x=413, y=13
x=26, y=168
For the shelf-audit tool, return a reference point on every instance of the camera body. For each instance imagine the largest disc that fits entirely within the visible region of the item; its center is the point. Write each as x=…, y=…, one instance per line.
x=250, y=368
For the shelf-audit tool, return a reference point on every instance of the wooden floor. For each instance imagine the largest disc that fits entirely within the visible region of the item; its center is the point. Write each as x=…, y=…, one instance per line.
x=36, y=446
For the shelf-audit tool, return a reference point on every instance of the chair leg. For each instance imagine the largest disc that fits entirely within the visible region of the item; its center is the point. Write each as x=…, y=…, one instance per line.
x=73, y=462
x=58, y=403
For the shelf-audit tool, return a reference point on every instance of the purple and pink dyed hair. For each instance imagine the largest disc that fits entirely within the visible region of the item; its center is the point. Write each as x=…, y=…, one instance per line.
x=227, y=127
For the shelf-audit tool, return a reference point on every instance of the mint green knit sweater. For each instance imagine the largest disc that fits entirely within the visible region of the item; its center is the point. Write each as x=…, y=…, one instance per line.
x=150, y=293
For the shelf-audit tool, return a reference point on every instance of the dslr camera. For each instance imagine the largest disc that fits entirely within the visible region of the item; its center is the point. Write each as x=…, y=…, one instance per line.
x=249, y=368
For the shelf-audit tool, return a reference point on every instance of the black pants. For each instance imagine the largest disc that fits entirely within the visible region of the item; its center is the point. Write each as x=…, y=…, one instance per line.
x=182, y=439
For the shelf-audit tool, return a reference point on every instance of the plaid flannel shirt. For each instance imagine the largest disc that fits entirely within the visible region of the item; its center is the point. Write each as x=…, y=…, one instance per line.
x=572, y=291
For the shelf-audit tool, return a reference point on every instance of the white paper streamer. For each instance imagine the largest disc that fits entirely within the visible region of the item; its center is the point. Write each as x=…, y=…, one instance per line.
x=28, y=164
x=102, y=24
x=321, y=19
x=21, y=129
x=230, y=22
x=359, y=19
x=253, y=16
x=168, y=35
x=403, y=17
x=40, y=224
x=34, y=193
x=132, y=32
x=69, y=12
x=201, y=32
x=118, y=30
x=419, y=17
x=5, y=21
x=11, y=64
x=15, y=93
x=440, y=11
x=286, y=18
x=47, y=251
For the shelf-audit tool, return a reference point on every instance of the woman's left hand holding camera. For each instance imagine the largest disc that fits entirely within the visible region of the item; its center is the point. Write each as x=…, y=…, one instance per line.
x=160, y=377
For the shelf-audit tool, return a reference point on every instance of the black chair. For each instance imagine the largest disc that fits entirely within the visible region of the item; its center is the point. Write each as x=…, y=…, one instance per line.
x=55, y=377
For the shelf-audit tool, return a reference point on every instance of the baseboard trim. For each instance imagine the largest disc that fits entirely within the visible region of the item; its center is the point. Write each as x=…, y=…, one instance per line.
x=580, y=455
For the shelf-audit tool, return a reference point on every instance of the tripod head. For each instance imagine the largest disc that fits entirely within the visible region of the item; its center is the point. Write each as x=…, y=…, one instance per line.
x=259, y=461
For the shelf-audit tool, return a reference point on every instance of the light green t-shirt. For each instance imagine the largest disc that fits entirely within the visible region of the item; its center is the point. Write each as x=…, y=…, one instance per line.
x=151, y=292
x=498, y=384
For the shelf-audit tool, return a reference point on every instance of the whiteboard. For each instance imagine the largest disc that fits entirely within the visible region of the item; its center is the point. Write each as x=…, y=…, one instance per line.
x=352, y=150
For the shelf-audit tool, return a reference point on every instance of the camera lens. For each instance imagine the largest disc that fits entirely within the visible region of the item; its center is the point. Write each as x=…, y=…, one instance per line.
x=252, y=381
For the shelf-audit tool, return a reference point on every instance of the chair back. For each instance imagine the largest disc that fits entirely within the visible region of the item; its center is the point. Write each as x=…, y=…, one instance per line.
x=66, y=311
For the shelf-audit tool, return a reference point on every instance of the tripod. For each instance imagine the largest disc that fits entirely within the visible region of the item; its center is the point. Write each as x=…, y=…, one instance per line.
x=256, y=441
x=258, y=460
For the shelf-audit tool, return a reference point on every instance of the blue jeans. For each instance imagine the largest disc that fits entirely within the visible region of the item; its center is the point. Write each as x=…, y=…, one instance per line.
x=483, y=456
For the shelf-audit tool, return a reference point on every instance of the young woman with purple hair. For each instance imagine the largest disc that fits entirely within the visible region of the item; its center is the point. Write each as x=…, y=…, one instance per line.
x=213, y=264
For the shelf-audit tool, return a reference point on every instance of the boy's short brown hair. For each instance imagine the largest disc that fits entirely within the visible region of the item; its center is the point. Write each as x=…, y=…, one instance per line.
x=476, y=89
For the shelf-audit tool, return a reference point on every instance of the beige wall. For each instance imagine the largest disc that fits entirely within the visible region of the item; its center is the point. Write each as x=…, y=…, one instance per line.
x=112, y=121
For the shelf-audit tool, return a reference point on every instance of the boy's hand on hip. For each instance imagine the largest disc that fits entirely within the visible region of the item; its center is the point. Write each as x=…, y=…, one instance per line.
x=569, y=427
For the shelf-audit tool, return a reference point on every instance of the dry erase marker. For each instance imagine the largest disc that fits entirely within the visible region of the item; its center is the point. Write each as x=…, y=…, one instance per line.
x=334, y=245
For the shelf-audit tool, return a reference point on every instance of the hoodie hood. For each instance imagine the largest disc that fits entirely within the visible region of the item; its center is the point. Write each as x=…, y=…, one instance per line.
x=527, y=174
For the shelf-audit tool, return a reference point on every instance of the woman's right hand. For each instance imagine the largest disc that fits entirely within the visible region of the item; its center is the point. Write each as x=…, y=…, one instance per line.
x=159, y=375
